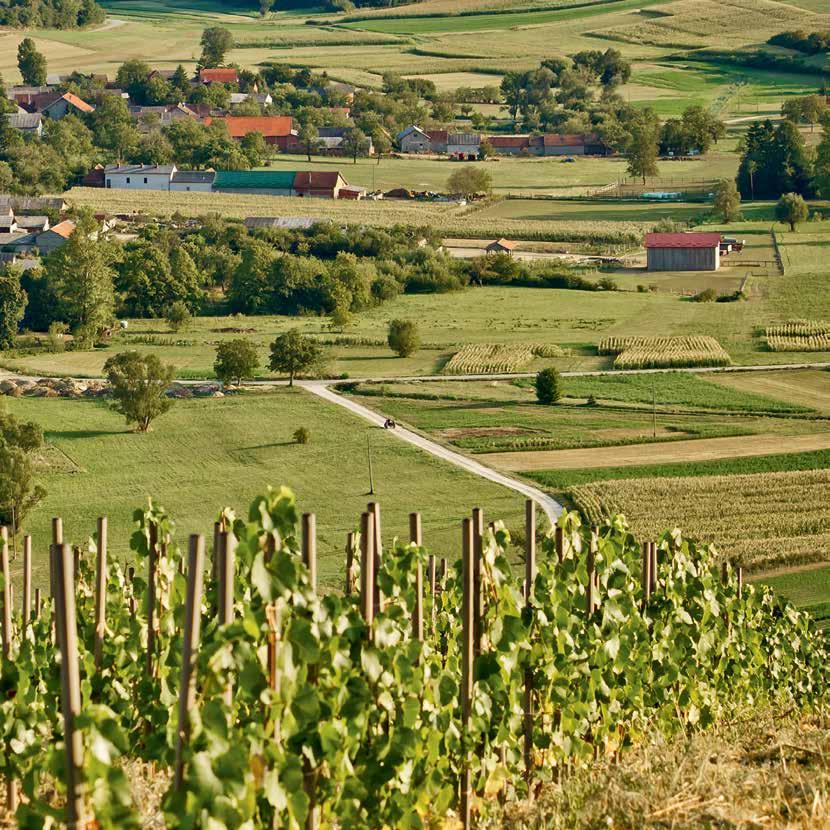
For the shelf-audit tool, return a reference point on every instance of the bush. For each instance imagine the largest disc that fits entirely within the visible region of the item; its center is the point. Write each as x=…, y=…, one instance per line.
x=56, y=338
x=235, y=361
x=403, y=337
x=548, y=386
x=301, y=436
x=607, y=284
x=179, y=316
x=708, y=295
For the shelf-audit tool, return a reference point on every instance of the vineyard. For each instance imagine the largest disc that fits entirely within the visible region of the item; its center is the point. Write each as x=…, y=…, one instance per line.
x=664, y=352
x=799, y=336
x=497, y=358
x=431, y=689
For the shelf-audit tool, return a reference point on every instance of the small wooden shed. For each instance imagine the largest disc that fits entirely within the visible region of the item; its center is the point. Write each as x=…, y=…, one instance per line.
x=683, y=251
x=501, y=246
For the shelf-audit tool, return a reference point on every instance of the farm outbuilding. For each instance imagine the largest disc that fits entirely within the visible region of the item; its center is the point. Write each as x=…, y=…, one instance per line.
x=683, y=251
x=501, y=246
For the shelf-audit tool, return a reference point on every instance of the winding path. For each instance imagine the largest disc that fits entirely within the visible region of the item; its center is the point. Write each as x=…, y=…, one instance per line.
x=550, y=506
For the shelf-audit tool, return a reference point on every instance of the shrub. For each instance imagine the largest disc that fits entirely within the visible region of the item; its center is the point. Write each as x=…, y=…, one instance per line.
x=301, y=436
x=403, y=337
x=708, y=295
x=607, y=284
x=235, y=361
x=548, y=386
x=179, y=316
x=56, y=338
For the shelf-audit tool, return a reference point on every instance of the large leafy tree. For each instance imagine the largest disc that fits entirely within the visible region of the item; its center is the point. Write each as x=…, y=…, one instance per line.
x=727, y=202
x=470, y=182
x=80, y=277
x=113, y=128
x=12, y=305
x=293, y=353
x=791, y=209
x=31, y=63
x=236, y=360
x=774, y=162
x=643, y=145
x=216, y=42
x=139, y=385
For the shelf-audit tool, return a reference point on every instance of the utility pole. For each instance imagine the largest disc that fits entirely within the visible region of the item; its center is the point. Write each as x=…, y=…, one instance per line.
x=369, y=456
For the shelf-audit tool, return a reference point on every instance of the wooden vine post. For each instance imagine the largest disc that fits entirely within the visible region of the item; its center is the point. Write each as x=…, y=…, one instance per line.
x=367, y=571
x=431, y=579
x=645, y=576
x=374, y=508
x=7, y=634
x=559, y=543
x=530, y=578
x=190, y=647
x=467, y=658
x=152, y=566
x=591, y=565
x=416, y=538
x=227, y=570
x=309, y=533
x=349, y=587
x=653, y=569
x=27, y=582
x=309, y=552
x=100, y=592
x=740, y=581
x=67, y=635
x=478, y=554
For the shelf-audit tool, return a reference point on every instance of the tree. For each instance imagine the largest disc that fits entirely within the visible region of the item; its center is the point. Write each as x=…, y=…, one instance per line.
x=19, y=440
x=12, y=306
x=308, y=135
x=355, y=143
x=382, y=142
x=113, y=128
x=403, y=337
x=31, y=63
x=792, y=209
x=751, y=170
x=216, y=42
x=470, y=182
x=548, y=386
x=822, y=163
x=254, y=147
x=139, y=386
x=292, y=353
x=643, y=145
x=775, y=161
x=80, y=275
x=727, y=200
x=236, y=360
x=178, y=316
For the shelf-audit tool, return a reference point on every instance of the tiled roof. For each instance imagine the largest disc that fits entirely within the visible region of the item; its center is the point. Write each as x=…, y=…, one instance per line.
x=290, y=222
x=141, y=169
x=77, y=102
x=503, y=243
x=64, y=229
x=509, y=140
x=437, y=135
x=29, y=121
x=682, y=240
x=194, y=176
x=464, y=138
x=221, y=76
x=569, y=140
x=269, y=125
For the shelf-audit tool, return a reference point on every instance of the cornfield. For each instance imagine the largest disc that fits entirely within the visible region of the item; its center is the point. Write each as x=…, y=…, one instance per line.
x=799, y=336
x=548, y=350
x=493, y=358
x=664, y=352
x=772, y=533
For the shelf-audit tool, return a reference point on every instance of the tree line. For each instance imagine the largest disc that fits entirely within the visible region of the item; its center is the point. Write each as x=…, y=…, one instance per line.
x=50, y=14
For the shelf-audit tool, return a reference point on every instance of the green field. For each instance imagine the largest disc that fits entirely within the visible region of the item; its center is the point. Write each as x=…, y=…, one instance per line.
x=809, y=589
x=207, y=454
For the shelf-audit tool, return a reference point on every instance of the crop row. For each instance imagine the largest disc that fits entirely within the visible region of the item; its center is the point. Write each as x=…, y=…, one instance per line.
x=752, y=516
x=812, y=343
x=664, y=352
x=798, y=328
x=489, y=358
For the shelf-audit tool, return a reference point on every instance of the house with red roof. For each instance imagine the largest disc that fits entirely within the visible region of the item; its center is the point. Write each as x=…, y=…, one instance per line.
x=223, y=75
x=559, y=144
x=683, y=251
x=278, y=130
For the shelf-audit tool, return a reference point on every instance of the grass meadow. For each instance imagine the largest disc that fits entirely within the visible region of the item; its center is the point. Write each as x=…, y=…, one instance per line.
x=206, y=454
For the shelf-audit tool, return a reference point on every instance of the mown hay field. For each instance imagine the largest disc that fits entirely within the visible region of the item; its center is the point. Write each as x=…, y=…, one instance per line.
x=694, y=23
x=763, y=520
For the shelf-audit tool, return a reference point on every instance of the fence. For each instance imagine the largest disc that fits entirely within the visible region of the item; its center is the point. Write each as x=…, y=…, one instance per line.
x=779, y=261
x=393, y=603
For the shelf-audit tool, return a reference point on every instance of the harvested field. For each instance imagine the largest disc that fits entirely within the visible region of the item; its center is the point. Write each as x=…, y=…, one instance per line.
x=762, y=520
x=703, y=449
x=810, y=387
x=799, y=336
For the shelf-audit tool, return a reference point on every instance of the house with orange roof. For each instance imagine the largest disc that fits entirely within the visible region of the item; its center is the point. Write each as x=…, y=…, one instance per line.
x=66, y=104
x=219, y=75
x=278, y=130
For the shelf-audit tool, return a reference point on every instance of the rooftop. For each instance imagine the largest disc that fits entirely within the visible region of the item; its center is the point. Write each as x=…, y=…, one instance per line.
x=194, y=176
x=269, y=125
x=219, y=75
x=255, y=179
x=682, y=240
x=141, y=169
